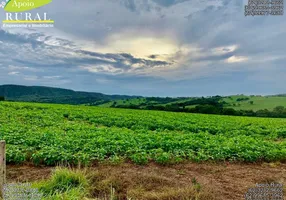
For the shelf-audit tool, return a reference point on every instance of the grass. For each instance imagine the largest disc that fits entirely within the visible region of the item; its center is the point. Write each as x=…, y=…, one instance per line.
x=64, y=184
x=259, y=102
x=74, y=184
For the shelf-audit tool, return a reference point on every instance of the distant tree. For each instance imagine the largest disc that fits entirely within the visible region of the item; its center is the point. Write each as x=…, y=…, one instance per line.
x=114, y=104
x=263, y=113
x=251, y=102
x=207, y=109
x=279, y=109
x=2, y=98
x=242, y=99
x=247, y=113
x=229, y=111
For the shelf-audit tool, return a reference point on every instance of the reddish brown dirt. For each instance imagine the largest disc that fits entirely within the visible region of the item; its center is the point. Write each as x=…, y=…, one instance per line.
x=27, y=173
x=225, y=181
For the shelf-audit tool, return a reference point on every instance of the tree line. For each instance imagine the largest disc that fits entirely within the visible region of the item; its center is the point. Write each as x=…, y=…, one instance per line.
x=211, y=105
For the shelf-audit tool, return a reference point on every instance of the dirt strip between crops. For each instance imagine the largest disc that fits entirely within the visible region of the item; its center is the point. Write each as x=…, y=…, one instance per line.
x=225, y=181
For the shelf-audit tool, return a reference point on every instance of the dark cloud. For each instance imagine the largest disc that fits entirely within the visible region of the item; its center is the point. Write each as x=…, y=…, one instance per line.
x=214, y=48
x=63, y=55
x=153, y=56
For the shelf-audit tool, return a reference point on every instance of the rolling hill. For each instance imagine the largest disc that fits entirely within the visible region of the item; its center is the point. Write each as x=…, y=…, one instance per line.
x=237, y=102
x=253, y=105
x=242, y=102
x=42, y=94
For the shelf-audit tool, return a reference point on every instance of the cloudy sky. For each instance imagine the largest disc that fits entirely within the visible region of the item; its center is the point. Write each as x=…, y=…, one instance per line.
x=149, y=47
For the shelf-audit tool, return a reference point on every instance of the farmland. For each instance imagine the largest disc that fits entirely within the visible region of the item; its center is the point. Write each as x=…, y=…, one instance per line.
x=52, y=134
x=259, y=102
x=236, y=105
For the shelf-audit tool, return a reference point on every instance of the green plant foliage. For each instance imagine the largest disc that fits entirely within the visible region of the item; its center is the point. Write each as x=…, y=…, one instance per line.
x=64, y=184
x=55, y=134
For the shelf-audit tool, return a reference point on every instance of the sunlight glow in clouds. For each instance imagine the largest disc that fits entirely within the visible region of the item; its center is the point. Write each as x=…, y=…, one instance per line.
x=141, y=46
x=225, y=49
x=102, y=68
x=236, y=59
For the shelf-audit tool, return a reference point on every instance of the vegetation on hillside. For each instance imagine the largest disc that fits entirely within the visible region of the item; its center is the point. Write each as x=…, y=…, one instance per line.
x=239, y=105
x=234, y=105
x=54, y=95
x=254, y=103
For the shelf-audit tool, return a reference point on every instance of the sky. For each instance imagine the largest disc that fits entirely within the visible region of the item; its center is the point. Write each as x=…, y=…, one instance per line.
x=149, y=48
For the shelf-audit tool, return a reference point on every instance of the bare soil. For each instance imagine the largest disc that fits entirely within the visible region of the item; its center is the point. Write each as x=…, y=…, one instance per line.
x=224, y=181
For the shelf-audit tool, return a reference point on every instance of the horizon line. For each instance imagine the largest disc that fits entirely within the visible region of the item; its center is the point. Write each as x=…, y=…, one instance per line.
x=142, y=95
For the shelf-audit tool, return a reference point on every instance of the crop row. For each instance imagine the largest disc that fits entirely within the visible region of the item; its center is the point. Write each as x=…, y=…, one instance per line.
x=51, y=134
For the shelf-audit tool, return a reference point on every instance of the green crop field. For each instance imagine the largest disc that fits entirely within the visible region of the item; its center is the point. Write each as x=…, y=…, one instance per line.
x=51, y=134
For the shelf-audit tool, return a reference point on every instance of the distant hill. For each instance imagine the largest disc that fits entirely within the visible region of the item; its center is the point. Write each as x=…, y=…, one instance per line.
x=55, y=95
x=242, y=105
x=279, y=95
x=255, y=103
x=237, y=102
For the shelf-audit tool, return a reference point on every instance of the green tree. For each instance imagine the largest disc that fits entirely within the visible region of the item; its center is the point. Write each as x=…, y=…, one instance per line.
x=279, y=109
x=263, y=113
